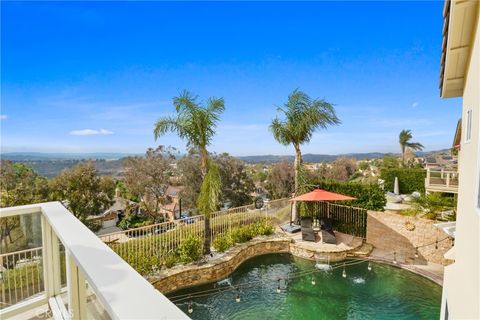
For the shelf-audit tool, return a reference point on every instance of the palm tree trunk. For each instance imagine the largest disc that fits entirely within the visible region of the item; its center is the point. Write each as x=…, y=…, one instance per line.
x=203, y=162
x=298, y=164
x=204, y=170
x=403, y=155
x=208, y=236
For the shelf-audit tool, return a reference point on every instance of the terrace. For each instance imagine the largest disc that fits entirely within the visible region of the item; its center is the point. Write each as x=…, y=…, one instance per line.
x=120, y=271
x=441, y=180
x=73, y=274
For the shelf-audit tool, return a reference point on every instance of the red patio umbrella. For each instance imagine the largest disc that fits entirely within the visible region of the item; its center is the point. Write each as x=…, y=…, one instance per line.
x=322, y=195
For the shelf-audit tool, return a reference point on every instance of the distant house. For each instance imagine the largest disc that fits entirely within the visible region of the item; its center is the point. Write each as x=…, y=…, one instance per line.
x=172, y=210
x=110, y=217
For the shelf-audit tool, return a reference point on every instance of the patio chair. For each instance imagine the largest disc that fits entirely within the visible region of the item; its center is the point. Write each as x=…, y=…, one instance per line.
x=326, y=228
x=307, y=230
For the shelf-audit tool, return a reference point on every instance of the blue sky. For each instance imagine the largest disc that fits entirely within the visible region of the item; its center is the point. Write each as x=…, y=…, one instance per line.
x=94, y=76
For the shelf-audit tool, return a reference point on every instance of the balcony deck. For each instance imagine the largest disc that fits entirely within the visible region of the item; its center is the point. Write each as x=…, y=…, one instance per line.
x=98, y=285
x=441, y=181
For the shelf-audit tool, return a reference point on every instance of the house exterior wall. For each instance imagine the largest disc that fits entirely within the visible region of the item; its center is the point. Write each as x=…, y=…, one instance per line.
x=461, y=292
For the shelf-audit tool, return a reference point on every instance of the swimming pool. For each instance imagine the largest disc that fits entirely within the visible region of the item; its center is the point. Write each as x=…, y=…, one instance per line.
x=384, y=292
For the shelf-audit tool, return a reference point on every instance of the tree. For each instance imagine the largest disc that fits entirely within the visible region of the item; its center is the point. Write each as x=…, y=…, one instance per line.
x=19, y=185
x=342, y=169
x=148, y=178
x=303, y=116
x=191, y=179
x=237, y=185
x=405, y=143
x=83, y=191
x=281, y=180
x=196, y=124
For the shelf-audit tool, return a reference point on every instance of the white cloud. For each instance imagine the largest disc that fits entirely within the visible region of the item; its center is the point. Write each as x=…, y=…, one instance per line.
x=415, y=104
x=90, y=132
x=3, y=117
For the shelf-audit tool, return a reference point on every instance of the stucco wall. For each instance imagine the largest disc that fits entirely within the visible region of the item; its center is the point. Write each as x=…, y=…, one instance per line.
x=462, y=279
x=387, y=232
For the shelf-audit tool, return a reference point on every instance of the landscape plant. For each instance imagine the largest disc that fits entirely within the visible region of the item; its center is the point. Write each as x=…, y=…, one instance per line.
x=242, y=234
x=190, y=249
x=196, y=123
x=302, y=117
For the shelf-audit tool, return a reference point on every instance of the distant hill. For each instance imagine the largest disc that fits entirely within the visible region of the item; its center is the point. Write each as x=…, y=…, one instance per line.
x=309, y=157
x=41, y=156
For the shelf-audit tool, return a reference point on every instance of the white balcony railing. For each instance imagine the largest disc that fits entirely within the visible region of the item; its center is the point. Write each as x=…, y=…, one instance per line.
x=94, y=274
x=441, y=180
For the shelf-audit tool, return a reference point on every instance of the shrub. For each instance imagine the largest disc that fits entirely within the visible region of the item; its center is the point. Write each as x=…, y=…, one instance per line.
x=170, y=259
x=143, y=262
x=241, y=234
x=222, y=242
x=190, y=249
x=409, y=179
x=369, y=195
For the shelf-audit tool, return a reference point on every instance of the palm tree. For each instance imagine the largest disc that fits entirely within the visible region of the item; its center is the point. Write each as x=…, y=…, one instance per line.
x=303, y=116
x=404, y=140
x=196, y=124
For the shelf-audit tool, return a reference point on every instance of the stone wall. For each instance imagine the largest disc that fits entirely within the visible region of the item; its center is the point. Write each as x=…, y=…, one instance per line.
x=388, y=232
x=186, y=276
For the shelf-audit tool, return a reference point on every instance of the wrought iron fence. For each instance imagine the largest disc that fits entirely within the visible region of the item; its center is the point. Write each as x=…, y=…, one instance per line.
x=346, y=219
x=159, y=241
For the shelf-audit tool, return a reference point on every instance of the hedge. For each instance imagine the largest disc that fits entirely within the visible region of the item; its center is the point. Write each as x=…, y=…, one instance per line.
x=409, y=179
x=369, y=196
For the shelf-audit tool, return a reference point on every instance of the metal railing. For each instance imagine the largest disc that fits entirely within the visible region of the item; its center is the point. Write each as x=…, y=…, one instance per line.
x=223, y=221
x=34, y=278
x=150, y=247
x=156, y=241
x=346, y=219
x=22, y=276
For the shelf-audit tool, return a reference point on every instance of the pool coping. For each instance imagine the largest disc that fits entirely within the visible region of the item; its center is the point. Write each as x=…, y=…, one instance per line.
x=222, y=265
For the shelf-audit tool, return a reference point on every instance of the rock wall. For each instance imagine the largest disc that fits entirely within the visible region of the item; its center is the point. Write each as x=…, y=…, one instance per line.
x=195, y=274
x=390, y=232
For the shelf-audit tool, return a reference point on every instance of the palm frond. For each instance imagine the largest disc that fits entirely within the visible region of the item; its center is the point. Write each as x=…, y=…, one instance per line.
x=164, y=125
x=303, y=116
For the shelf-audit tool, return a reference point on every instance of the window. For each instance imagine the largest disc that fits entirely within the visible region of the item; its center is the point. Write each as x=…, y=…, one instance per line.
x=468, y=133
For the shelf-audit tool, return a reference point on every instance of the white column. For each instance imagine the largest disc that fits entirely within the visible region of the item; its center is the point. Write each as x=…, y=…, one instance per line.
x=77, y=297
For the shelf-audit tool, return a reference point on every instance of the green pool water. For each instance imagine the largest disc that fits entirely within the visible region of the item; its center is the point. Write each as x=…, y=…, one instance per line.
x=385, y=292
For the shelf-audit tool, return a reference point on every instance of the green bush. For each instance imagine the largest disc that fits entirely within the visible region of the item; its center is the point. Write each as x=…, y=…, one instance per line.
x=409, y=179
x=170, y=260
x=190, y=249
x=369, y=195
x=142, y=261
x=242, y=234
x=222, y=242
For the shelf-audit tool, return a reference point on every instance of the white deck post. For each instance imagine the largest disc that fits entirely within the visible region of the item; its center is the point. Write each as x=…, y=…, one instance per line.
x=77, y=297
x=51, y=260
